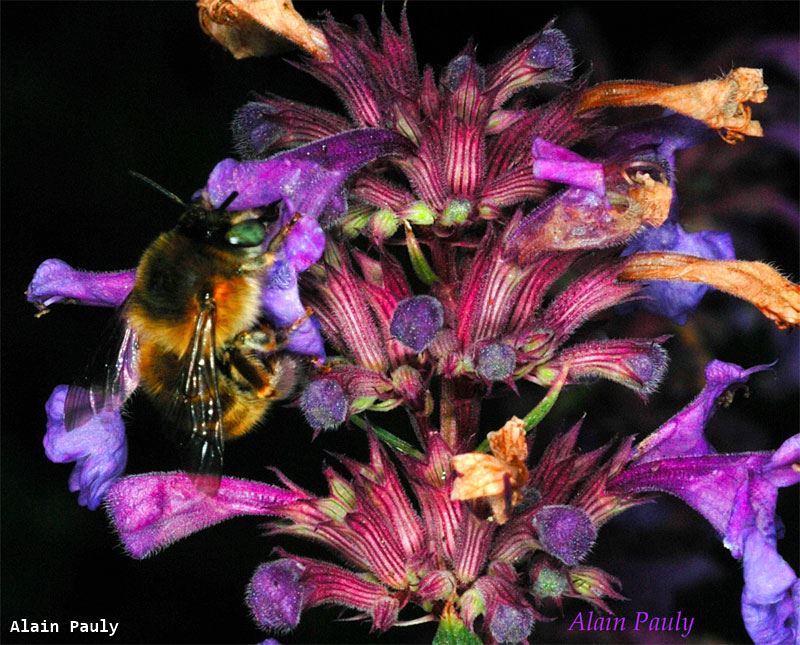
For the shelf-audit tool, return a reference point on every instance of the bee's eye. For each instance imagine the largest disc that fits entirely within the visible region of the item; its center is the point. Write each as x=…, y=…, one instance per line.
x=249, y=233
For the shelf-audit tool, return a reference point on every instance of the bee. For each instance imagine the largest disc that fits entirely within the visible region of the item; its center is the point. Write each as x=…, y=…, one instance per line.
x=192, y=324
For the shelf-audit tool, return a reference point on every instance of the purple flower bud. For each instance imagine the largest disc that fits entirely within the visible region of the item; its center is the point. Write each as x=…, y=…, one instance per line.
x=416, y=321
x=458, y=68
x=552, y=51
x=324, y=404
x=98, y=448
x=254, y=131
x=275, y=595
x=511, y=624
x=496, y=362
x=565, y=532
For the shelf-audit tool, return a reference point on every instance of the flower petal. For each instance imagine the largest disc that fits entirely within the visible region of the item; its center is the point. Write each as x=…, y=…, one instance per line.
x=708, y=483
x=281, y=303
x=556, y=163
x=56, y=281
x=306, y=178
x=683, y=434
x=98, y=447
x=152, y=511
x=771, y=596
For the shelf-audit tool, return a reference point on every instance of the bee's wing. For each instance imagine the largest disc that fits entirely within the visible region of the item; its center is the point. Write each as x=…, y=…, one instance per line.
x=200, y=394
x=109, y=379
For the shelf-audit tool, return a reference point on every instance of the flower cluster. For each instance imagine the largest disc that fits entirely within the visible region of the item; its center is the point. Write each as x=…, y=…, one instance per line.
x=510, y=243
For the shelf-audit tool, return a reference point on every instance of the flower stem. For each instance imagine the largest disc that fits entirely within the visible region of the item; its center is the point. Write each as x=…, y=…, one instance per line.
x=388, y=438
x=535, y=416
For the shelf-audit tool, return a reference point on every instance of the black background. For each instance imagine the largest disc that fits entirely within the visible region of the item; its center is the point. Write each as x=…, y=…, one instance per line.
x=91, y=90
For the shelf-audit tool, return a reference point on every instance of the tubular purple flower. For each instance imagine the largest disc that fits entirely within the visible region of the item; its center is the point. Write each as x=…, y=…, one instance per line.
x=152, y=511
x=305, y=178
x=56, y=281
x=275, y=595
x=98, y=447
x=556, y=163
x=671, y=299
x=684, y=434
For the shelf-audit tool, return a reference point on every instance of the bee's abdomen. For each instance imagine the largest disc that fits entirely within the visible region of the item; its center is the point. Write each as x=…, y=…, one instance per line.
x=162, y=379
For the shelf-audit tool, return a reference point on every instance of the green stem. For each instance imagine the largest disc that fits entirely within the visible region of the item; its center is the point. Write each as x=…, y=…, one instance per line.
x=388, y=438
x=535, y=416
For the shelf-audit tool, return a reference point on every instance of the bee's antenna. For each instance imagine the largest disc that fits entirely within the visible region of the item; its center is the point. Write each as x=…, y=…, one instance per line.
x=158, y=187
x=228, y=201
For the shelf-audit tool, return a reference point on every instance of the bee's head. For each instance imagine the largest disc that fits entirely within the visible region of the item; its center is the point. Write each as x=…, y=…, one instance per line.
x=231, y=231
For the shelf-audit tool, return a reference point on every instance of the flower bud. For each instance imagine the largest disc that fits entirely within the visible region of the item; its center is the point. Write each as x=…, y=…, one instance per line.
x=456, y=212
x=416, y=321
x=437, y=585
x=496, y=362
x=383, y=224
x=275, y=595
x=419, y=213
x=547, y=582
x=324, y=404
x=254, y=129
x=511, y=624
x=565, y=532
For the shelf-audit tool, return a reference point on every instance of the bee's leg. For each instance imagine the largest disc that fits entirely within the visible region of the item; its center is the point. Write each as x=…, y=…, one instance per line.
x=281, y=235
x=250, y=371
x=265, y=339
x=267, y=258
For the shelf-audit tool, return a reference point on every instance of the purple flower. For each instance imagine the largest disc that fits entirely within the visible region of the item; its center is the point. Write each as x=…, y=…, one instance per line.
x=98, y=447
x=684, y=434
x=736, y=493
x=56, y=281
x=677, y=300
x=306, y=179
x=152, y=511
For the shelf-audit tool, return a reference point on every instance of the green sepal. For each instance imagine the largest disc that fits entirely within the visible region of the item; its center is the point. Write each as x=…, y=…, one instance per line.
x=419, y=213
x=453, y=631
x=355, y=220
x=418, y=260
x=456, y=212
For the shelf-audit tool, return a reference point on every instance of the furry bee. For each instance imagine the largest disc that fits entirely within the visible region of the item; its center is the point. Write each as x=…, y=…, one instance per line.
x=205, y=358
